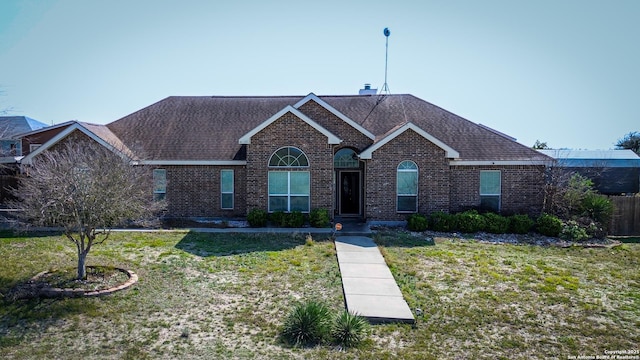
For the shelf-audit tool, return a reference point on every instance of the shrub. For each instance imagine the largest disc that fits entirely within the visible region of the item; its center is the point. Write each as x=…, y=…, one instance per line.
x=593, y=229
x=549, y=225
x=257, y=218
x=578, y=188
x=573, y=231
x=598, y=207
x=495, y=223
x=278, y=218
x=520, y=224
x=417, y=222
x=349, y=330
x=319, y=218
x=441, y=221
x=309, y=323
x=470, y=221
x=294, y=219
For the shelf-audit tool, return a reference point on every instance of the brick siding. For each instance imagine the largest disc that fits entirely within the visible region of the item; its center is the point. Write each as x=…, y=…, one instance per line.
x=381, y=170
x=350, y=136
x=289, y=130
x=522, y=188
x=194, y=191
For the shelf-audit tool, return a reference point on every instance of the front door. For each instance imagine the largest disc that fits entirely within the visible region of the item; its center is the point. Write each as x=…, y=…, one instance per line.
x=350, y=193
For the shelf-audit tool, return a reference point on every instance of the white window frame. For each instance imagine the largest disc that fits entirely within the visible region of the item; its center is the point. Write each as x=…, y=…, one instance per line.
x=400, y=170
x=290, y=159
x=288, y=194
x=34, y=147
x=490, y=194
x=223, y=192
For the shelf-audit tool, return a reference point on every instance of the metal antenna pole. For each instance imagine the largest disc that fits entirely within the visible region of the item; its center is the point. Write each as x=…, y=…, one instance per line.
x=385, y=87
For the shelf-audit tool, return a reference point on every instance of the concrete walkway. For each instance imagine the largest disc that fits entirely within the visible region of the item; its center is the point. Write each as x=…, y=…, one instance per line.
x=369, y=287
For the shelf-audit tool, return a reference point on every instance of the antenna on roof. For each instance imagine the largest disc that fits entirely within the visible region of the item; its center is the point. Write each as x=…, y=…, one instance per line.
x=385, y=87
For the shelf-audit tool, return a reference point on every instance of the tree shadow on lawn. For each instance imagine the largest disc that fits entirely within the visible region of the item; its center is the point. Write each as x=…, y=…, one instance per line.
x=20, y=319
x=402, y=239
x=226, y=244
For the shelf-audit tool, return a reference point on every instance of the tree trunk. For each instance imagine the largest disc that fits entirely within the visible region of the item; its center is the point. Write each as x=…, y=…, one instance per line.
x=82, y=268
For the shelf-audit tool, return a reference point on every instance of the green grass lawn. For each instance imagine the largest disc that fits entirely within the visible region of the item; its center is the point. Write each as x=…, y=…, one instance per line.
x=225, y=296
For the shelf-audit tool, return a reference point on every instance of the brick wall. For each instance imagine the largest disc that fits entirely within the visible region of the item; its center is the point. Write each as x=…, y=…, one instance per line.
x=522, y=188
x=44, y=136
x=349, y=135
x=194, y=191
x=433, y=177
x=289, y=130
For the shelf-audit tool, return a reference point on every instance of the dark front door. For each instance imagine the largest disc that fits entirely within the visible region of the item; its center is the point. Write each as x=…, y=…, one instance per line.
x=350, y=192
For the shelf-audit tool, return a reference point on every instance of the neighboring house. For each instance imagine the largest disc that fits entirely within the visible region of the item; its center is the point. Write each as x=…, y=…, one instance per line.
x=11, y=127
x=379, y=157
x=613, y=172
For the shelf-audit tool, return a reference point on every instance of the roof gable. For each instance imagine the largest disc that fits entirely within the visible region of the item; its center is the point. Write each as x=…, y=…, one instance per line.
x=105, y=138
x=449, y=151
x=331, y=109
x=331, y=138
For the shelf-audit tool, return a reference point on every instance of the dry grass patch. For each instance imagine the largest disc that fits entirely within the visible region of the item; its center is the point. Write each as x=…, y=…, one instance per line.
x=516, y=301
x=226, y=296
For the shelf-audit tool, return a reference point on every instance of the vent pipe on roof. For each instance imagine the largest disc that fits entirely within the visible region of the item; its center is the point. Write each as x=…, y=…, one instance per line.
x=368, y=90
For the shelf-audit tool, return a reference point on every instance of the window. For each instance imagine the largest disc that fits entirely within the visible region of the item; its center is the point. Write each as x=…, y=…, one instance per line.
x=159, y=184
x=10, y=147
x=226, y=189
x=490, y=190
x=345, y=158
x=288, y=157
x=34, y=147
x=16, y=149
x=289, y=191
x=407, y=187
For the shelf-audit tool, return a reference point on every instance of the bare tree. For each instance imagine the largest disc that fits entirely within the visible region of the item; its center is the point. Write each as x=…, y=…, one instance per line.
x=87, y=190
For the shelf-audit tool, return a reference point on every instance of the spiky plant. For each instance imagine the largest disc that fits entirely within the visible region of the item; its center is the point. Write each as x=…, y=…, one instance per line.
x=308, y=324
x=349, y=330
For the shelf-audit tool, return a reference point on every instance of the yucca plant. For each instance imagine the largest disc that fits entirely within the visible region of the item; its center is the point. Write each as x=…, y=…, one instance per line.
x=309, y=323
x=349, y=330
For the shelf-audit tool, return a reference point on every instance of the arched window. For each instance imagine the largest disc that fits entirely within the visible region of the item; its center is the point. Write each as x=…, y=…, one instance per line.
x=288, y=157
x=407, y=187
x=345, y=158
x=289, y=190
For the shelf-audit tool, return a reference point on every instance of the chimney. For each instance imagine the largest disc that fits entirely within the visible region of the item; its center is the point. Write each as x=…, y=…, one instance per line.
x=367, y=90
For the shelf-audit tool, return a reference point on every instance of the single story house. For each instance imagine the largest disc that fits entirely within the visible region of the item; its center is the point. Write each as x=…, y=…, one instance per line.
x=379, y=157
x=613, y=172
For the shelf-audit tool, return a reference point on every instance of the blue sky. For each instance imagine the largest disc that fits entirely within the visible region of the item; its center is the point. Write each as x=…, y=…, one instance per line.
x=562, y=71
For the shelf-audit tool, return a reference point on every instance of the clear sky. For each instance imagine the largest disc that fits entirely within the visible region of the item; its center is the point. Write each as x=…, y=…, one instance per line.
x=566, y=72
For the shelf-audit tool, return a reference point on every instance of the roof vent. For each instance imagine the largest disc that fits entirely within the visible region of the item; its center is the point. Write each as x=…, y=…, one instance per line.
x=368, y=90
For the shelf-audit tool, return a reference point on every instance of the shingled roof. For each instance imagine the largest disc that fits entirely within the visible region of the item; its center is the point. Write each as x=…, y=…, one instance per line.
x=208, y=128
x=11, y=126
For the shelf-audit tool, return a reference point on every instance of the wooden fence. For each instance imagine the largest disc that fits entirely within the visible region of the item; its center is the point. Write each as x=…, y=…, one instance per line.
x=626, y=217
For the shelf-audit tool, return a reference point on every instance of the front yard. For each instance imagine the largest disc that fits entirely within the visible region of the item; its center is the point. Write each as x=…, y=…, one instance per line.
x=225, y=296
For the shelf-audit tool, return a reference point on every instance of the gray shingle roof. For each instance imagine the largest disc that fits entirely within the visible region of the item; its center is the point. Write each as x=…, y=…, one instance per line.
x=208, y=128
x=11, y=126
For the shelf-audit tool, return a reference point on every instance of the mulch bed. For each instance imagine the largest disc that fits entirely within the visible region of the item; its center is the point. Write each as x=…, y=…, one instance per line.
x=101, y=280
